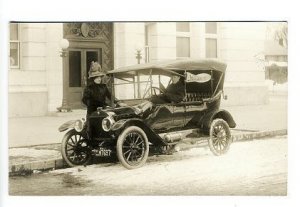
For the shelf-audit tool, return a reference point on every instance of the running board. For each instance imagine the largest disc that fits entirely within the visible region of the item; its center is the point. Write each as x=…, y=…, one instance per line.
x=189, y=135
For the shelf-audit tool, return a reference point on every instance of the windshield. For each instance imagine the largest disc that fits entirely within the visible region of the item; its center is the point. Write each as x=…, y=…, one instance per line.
x=133, y=89
x=138, y=87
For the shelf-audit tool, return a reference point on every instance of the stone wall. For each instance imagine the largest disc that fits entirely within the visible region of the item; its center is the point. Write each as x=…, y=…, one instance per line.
x=240, y=45
x=35, y=88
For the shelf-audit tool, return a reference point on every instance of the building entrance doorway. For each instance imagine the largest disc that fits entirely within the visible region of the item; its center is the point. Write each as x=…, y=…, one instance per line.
x=89, y=41
x=79, y=65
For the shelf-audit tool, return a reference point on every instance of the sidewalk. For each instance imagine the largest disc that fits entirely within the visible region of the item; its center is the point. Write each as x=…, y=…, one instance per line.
x=34, y=142
x=28, y=131
x=266, y=117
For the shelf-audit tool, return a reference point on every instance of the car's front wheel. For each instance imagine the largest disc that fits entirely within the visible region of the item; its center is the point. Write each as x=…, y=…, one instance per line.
x=74, y=149
x=132, y=147
x=219, y=137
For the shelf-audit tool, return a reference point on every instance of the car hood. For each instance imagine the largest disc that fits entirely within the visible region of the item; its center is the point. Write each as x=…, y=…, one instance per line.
x=118, y=113
x=120, y=110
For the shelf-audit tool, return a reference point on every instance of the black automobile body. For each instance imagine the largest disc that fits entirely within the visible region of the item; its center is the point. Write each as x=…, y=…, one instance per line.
x=130, y=133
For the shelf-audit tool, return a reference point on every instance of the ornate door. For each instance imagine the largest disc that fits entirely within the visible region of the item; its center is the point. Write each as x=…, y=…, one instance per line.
x=88, y=42
x=79, y=64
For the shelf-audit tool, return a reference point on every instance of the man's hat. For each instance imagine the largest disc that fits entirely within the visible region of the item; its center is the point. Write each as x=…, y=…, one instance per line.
x=95, y=70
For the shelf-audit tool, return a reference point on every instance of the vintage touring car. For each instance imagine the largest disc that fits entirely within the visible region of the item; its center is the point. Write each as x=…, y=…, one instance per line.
x=130, y=133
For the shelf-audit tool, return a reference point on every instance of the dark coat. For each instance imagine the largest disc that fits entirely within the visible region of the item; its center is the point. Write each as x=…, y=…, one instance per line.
x=94, y=96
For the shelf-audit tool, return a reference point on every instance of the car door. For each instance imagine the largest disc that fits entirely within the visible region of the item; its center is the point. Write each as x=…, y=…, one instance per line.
x=167, y=116
x=178, y=115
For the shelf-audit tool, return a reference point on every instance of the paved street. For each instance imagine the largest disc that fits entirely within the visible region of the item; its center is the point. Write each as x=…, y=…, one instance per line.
x=256, y=167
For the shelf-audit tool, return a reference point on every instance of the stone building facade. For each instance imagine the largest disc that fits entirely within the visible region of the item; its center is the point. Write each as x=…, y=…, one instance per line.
x=36, y=78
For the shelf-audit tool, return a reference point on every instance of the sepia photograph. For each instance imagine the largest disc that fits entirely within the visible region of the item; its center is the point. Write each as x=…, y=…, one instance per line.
x=149, y=104
x=141, y=108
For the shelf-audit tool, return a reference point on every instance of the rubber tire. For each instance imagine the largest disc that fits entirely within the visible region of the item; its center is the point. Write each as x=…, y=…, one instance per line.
x=63, y=149
x=210, y=140
x=120, y=141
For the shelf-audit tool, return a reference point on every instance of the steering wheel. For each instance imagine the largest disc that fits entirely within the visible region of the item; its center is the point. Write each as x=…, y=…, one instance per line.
x=154, y=89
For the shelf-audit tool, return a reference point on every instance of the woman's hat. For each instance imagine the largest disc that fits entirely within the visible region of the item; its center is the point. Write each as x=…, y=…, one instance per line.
x=95, y=70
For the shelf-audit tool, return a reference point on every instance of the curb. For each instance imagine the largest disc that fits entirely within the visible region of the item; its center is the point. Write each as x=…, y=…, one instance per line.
x=255, y=135
x=37, y=166
x=31, y=167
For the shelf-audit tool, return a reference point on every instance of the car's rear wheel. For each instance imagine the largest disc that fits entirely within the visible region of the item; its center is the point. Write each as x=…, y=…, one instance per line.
x=132, y=147
x=219, y=137
x=74, y=149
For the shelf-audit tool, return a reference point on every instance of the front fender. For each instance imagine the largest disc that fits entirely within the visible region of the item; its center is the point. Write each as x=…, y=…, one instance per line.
x=119, y=125
x=153, y=137
x=67, y=125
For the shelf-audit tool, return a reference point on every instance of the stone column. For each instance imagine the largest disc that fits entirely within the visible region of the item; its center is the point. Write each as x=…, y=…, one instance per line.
x=127, y=37
x=162, y=41
x=54, y=34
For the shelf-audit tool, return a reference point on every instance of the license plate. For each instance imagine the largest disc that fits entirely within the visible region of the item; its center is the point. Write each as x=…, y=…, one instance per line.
x=103, y=152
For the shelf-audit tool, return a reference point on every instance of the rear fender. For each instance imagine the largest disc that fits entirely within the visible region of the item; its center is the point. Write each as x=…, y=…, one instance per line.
x=154, y=138
x=206, y=121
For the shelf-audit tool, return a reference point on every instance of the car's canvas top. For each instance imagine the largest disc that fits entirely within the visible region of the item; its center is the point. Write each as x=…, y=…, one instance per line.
x=170, y=66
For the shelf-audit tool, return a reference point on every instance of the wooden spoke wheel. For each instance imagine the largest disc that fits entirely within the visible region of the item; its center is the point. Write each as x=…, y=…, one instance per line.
x=132, y=147
x=220, y=137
